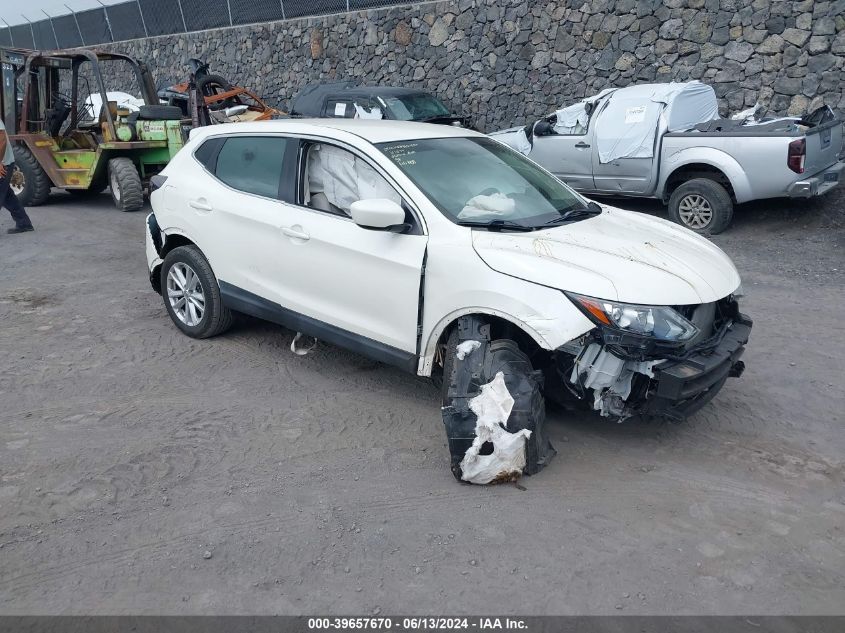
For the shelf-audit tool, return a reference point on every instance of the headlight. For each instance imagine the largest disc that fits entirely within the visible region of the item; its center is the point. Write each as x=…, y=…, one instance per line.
x=660, y=322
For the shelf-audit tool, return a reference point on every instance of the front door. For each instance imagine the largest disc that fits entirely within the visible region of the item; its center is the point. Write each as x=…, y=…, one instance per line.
x=569, y=157
x=362, y=281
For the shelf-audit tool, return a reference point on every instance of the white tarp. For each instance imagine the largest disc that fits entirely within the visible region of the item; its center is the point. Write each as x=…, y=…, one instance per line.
x=514, y=138
x=344, y=178
x=627, y=125
x=94, y=103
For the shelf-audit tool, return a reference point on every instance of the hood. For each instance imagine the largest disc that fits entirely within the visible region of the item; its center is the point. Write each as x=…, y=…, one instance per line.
x=618, y=255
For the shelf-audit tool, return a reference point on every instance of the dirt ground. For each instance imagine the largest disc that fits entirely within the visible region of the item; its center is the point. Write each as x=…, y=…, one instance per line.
x=145, y=472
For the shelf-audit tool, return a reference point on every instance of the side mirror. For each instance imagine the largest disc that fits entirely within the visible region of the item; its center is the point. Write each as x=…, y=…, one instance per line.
x=236, y=110
x=379, y=214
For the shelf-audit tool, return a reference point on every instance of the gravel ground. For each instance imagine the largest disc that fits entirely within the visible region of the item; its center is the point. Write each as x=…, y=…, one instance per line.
x=145, y=472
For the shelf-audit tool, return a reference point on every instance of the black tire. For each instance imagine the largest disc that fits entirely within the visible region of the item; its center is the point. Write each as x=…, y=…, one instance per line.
x=524, y=384
x=710, y=209
x=159, y=113
x=127, y=191
x=216, y=318
x=211, y=85
x=36, y=184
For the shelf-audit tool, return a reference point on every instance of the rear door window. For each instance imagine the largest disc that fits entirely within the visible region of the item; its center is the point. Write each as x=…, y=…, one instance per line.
x=252, y=164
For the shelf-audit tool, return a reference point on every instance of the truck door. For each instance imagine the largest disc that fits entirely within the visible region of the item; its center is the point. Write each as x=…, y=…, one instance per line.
x=567, y=156
x=625, y=128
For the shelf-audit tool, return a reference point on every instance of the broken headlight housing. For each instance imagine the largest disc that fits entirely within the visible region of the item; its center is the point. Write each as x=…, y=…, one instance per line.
x=659, y=322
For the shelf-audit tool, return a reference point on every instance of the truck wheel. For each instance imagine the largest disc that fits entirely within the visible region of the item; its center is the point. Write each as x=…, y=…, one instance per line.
x=29, y=182
x=125, y=182
x=191, y=294
x=478, y=368
x=701, y=205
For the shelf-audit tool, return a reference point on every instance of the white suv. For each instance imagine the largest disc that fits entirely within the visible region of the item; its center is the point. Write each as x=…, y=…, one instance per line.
x=447, y=254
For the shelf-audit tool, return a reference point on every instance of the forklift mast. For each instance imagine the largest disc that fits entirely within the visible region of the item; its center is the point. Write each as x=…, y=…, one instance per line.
x=12, y=62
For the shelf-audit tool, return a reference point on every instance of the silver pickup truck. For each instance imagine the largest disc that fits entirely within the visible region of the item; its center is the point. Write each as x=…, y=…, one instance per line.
x=666, y=141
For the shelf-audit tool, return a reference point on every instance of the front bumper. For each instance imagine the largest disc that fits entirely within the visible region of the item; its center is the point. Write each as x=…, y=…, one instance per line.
x=819, y=184
x=683, y=387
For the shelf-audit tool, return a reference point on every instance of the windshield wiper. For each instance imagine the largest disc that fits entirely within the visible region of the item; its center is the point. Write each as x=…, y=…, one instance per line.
x=496, y=225
x=576, y=214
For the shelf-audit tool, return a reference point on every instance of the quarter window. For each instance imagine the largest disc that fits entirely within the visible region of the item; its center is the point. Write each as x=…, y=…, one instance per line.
x=252, y=164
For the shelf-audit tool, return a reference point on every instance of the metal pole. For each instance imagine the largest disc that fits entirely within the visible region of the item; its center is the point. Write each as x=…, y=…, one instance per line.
x=108, y=22
x=76, y=19
x=52, y=26
x=11, y=37
x=229, y=6
x=31, y=30
x=143, y=21
x=182, y=13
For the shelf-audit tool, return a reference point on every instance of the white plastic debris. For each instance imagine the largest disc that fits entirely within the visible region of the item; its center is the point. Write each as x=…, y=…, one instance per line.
x=481, y=206
x=465, y=348
x=492, y=407
x=301, y=347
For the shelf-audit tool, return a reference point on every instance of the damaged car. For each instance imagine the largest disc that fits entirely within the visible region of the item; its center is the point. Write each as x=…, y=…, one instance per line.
x=666, y=141
x=451, y=256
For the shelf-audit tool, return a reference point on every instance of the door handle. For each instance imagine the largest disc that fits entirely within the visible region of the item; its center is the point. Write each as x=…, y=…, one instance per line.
x=200, y=204
x=295, y=233
x=581, y=145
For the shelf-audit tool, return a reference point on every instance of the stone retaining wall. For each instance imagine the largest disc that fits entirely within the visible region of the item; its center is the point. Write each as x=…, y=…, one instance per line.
x=504, y=61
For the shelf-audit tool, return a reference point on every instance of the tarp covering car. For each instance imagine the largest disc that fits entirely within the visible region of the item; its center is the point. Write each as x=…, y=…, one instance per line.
x=627, y=124
x=626, y=118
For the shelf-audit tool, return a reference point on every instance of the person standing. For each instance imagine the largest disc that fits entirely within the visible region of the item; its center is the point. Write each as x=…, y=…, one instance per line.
x=8, y=198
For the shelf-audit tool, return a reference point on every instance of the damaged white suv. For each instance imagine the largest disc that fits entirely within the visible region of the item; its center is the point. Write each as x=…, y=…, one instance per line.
x=447, y=254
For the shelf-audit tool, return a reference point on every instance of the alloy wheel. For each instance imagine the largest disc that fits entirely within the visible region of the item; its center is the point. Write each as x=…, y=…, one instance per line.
x=185, y=294
x=695, y=211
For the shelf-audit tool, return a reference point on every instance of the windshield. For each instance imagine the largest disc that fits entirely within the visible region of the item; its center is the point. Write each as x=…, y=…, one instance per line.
x=479, y=180
x=418, y=107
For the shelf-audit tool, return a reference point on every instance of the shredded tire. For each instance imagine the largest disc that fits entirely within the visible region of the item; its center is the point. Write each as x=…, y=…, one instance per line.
x=716, y=195
x=124, y=176
x=217, y=318
x=462, y=381
x=36, y=187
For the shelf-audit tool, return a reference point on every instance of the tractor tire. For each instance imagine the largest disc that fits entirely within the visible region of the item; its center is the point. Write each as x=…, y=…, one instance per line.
x=701, y=205
x=125, y=182
x=159, y=113
x=31, y=185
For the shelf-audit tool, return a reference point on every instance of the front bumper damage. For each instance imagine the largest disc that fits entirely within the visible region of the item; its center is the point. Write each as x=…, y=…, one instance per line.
x=622, y=375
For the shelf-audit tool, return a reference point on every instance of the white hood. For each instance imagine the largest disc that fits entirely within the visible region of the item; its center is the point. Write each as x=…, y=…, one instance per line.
x=618, y=255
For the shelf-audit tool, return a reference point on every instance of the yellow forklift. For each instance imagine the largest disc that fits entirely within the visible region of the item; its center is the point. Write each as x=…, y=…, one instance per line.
x=69, y=131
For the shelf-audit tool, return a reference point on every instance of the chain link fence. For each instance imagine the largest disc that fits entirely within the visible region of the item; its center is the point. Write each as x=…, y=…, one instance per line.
x=148, y=18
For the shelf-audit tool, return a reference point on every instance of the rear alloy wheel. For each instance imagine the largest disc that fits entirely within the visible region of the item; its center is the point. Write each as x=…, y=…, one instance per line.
x=701, y=205
x=125, y=183
x=191, y=294
x=29, y=181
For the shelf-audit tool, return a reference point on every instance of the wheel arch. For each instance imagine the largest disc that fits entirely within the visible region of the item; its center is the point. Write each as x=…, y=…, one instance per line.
x=503, y=326
x=171, y=242
x=708, y=163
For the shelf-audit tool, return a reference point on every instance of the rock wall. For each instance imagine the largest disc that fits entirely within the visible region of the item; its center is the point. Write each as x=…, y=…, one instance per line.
x=504, y=61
